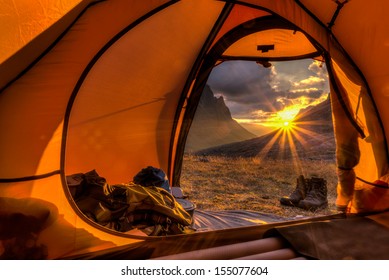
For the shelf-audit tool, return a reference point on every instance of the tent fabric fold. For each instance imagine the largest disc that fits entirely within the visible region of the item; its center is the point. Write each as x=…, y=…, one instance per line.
x=114, y=85
x=338, y=239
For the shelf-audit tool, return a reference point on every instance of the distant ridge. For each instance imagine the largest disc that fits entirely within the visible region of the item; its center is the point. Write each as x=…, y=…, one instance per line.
x=213, y=124
x=312, y=138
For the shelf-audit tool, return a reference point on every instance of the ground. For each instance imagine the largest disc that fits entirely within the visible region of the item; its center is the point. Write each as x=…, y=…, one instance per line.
x=225, y=183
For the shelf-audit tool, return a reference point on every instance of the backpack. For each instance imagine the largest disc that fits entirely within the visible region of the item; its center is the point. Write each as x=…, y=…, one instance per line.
x=152, y=176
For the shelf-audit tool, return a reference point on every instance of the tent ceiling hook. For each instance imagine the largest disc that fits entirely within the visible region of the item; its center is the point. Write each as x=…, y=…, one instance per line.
x=336, y=13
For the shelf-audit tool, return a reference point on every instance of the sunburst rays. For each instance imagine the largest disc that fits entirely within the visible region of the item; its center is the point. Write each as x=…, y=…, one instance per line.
x=291, y=140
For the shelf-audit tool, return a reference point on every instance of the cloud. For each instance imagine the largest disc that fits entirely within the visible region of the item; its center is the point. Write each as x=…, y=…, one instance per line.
x=245, y=86
x=239, y=81
x=254, y=92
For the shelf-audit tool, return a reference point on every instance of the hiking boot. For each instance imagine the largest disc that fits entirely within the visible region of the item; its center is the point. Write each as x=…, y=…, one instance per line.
x=298, y=194
x=317, y=195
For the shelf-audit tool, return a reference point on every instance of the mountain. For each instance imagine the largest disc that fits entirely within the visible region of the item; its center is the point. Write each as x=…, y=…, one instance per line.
x=256, y=128
x=311, y=138
x=316, y=118
x=213, y=124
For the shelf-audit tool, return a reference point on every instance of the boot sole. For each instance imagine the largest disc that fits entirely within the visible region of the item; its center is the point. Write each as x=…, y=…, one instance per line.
x=313, y=208
x=289, y=203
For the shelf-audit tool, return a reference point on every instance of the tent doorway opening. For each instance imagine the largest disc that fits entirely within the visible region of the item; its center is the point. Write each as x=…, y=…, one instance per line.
x=255, y=131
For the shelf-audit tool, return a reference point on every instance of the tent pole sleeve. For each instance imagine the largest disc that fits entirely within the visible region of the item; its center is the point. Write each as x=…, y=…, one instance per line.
x=347, y=148
x=175, y=160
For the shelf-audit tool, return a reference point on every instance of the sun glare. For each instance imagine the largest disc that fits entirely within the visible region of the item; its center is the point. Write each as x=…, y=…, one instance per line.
x=288, y=114
x=287, y=125
x=284, y=119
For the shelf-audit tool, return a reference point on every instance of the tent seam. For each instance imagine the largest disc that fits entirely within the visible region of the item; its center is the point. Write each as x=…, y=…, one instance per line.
x=191, y=77
x=30, y=178
x=47, y=50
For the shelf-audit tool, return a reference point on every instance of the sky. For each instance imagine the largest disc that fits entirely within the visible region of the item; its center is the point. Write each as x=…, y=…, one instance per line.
x=269, y=96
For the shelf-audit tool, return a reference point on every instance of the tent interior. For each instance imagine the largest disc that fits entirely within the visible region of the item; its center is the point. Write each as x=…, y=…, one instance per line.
x=114, y=86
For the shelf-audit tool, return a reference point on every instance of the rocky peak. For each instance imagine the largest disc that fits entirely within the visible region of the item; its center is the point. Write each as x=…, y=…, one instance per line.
x=213, y=124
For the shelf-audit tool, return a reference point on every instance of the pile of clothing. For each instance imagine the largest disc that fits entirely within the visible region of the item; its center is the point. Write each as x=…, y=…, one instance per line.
x=146, y=203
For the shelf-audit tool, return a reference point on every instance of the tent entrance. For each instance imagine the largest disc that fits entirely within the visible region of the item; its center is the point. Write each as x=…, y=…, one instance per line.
x=249, y=161
x=255, y=131
x=263, y=40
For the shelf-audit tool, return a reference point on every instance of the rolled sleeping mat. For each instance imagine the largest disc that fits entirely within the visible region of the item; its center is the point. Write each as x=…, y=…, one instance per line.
x=281, y=254
x=231, y=251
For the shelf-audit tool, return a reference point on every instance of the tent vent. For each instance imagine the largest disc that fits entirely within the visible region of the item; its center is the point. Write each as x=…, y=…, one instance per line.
x=265, y=48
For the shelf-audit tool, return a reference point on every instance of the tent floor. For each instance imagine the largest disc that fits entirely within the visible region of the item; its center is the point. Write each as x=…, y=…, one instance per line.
x=352, y=238
x=329, y=237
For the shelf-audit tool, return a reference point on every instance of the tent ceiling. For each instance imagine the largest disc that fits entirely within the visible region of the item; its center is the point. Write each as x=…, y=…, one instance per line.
x=274, y=43
x=21, y=21
x=104, y=86
x=28, y=29
x=323, y=9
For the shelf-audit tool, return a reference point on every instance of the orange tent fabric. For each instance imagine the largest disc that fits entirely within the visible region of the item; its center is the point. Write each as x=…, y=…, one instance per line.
x=112, y=85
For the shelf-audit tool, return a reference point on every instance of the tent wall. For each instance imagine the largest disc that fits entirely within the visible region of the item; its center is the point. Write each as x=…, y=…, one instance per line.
x=111, y=94
x=41, y=96
x=51, y=224
x=32, y=115
x=361, y=28
x=28, y=28
x=236, y=16
x=126, y=89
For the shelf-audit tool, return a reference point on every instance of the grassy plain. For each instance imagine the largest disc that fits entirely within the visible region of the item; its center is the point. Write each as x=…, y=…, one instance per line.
x=225, y=183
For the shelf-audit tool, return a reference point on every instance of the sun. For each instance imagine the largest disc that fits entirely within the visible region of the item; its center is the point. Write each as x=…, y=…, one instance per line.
x=283, y=119
x=286, y=117
x=287, y=124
